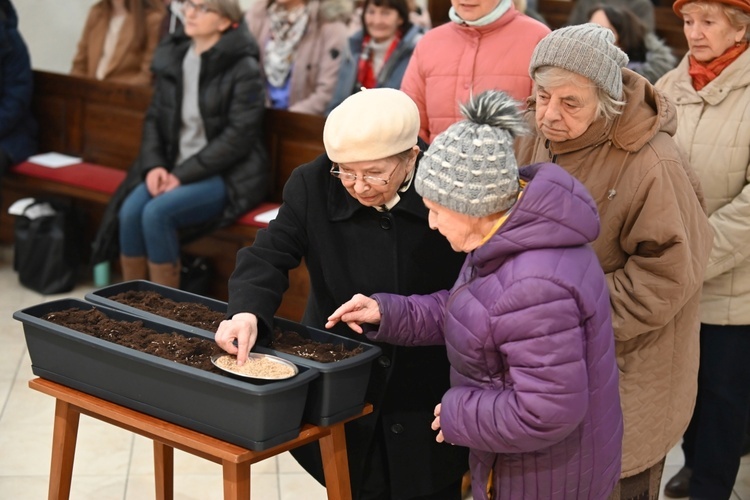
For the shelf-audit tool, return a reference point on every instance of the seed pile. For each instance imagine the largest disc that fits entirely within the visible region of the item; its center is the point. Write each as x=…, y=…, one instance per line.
x=256, y=367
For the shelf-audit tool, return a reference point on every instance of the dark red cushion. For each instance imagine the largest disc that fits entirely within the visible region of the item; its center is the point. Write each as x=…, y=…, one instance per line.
x=85, y=175
x=249, y=218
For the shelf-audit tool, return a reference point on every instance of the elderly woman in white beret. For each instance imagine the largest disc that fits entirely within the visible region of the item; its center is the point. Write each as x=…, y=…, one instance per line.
x=355, y=218
x=711, y=90
x=610, y=128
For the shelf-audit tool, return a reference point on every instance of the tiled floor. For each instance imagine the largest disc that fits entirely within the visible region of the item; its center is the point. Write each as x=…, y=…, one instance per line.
x=114, y=464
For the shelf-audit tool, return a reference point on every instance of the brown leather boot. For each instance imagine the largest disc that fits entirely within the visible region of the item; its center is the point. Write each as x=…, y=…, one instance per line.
x=679, y=485
x=165, y=274
x=133, y=268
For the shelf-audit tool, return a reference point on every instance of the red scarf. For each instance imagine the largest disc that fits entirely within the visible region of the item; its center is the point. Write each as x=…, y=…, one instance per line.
x=366, y=76
x=704, y=73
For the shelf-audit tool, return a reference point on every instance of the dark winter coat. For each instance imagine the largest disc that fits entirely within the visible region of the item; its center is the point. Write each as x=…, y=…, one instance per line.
x=18, y=130
x=349, y=248
x=534, y=383
x=231, y=101
x=390, y=75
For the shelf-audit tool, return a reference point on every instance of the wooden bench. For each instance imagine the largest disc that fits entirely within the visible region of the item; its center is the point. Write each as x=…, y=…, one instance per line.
x=102, y=123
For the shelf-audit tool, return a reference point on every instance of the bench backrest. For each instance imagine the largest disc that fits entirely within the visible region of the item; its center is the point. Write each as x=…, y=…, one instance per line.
x=102, y=122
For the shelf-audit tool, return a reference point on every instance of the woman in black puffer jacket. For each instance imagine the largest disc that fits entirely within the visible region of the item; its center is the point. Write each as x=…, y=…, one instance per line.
x=202, y=162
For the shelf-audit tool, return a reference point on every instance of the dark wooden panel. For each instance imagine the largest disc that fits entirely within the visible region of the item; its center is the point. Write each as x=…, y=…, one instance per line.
x=555, y=12
x=111, y=135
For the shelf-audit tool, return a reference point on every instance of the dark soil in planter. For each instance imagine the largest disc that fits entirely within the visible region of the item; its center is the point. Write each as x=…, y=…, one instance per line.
x=190, y=351
x=294, y=343
x=190, y=313
x=200, y=316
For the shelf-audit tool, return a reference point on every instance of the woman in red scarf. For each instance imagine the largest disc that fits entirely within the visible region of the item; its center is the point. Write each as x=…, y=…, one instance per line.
x=378, y=54
x=711, y=88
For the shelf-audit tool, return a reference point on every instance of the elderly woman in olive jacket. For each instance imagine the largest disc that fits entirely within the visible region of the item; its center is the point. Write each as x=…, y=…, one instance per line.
x=230, y=97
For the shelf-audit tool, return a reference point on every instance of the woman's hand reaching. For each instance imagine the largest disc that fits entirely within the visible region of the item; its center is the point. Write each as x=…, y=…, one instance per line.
x=359, y=309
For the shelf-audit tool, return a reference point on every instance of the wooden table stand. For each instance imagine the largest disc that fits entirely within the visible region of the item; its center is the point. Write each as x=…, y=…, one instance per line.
x=235, y=460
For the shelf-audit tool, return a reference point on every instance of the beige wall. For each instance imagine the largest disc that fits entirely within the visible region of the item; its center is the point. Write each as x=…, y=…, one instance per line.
x=51, y=29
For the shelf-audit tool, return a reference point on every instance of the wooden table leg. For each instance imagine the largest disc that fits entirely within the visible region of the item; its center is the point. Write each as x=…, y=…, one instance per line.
x=236, y=480
x=164, y=471
x=64, y=438
x=336, y=464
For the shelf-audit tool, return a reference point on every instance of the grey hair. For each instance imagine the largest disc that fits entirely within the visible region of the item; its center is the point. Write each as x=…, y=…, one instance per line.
x=552, y=76
x=227, y=8
x=496, y=109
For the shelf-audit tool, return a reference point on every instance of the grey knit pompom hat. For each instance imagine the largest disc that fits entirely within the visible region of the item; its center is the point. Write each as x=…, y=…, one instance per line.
x=585, y=49
x=470, y=168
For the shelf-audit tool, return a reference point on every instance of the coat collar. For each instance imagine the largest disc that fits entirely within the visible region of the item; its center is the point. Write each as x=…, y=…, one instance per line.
x=736, y=75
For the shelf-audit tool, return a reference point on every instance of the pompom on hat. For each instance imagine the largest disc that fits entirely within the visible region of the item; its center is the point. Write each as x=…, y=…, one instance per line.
x=371, y=125
x=470, y=168
x=584, y=49
x=743, y=5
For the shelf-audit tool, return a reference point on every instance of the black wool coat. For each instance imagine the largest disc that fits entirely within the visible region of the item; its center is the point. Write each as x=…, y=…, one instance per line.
x=349, y=248
x=231, y=99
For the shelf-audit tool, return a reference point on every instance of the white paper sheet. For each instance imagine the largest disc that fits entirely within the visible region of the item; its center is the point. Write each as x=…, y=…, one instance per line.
x=268, y=216
x=54, y=160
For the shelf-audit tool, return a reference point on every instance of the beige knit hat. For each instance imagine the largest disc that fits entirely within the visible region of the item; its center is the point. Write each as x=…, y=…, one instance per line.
x=471, y=168
x=585, y=49
x=370, y=125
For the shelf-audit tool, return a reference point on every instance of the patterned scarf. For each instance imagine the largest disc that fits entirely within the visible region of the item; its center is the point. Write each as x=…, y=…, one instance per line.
x=704, y=73
x=287, y=28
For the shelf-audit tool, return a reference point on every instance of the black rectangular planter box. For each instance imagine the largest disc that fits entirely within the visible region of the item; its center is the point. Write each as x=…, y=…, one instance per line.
x=337, y=393
x=257, y=416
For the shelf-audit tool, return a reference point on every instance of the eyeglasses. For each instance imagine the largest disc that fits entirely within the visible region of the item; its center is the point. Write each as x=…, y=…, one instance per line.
x=368, y=179
x=200, y=8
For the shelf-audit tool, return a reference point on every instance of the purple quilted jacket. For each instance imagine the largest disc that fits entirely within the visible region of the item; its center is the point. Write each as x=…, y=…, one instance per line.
x=527, y=328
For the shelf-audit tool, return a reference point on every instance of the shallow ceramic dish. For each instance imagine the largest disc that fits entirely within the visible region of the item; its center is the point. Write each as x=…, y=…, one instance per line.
x=257, y=356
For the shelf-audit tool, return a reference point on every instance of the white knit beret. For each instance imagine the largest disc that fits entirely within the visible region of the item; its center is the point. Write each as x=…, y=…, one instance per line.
x=471, y=167
x=585, y=49
x=371, y=125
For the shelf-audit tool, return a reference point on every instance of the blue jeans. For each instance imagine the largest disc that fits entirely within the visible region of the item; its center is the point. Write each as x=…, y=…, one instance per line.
x=149, y=225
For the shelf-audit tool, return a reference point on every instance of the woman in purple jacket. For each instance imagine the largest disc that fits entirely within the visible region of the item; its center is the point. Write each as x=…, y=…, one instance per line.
x=534, y=384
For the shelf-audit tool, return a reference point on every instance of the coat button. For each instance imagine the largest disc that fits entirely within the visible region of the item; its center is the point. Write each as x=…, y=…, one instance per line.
x=384, y=361
x=397, y=428
x=385, y=223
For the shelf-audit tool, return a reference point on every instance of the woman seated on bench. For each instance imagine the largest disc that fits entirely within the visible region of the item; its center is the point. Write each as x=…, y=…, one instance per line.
x=118, y=41
x=202, y=162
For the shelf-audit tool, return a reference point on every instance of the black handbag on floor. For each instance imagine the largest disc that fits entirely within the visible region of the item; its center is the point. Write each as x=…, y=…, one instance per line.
x=46, y=254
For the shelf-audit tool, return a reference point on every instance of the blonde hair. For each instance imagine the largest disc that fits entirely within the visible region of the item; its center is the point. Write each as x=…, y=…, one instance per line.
x=552, y=76
x=737, y=18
